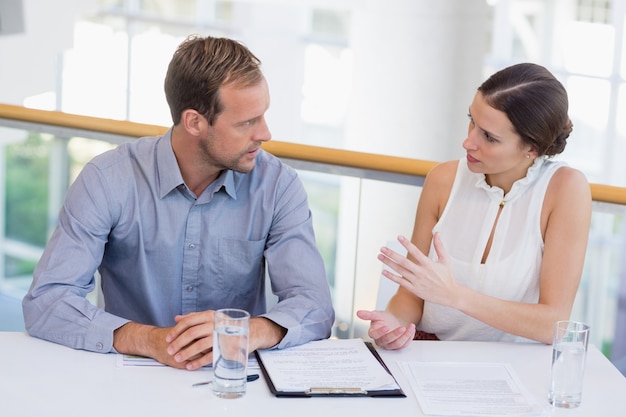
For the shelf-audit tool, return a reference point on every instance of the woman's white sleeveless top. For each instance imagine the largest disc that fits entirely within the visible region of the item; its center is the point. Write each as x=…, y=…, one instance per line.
x=511, y=270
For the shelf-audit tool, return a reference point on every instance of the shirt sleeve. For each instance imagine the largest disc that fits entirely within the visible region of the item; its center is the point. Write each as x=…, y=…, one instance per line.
x=296, y=269
x=55, y=307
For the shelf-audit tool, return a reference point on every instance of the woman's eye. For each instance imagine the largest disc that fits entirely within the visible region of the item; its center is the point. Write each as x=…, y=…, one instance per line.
x=490, y=138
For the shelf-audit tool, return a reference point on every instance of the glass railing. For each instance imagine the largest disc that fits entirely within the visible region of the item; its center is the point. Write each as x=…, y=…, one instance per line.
x=359, y=202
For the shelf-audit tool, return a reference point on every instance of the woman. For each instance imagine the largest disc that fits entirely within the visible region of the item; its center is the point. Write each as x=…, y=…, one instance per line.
x=505, y=228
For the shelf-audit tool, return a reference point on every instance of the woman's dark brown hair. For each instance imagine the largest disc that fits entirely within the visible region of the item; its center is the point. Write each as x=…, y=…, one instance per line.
x=536, y=104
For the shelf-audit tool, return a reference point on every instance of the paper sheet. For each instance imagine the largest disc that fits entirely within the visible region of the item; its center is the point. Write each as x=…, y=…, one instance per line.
x=123, y=361
x=469, y=389
x=331, y=363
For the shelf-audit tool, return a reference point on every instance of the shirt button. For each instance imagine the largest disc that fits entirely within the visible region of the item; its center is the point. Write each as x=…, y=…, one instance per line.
x=189, y=288
x=99, y=346
x=192, y=246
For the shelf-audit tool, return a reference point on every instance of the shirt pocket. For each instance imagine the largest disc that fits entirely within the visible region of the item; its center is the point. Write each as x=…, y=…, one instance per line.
x=241, y=265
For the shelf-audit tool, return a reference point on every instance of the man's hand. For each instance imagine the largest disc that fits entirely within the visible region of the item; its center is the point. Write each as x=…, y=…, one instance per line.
x=188, y=344
x=143, y=340
x=190, y=341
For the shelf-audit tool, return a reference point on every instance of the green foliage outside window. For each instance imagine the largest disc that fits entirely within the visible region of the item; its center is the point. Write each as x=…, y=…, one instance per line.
x=26, y=197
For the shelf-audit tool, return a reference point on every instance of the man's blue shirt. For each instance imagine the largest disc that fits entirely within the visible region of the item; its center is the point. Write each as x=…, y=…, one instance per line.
x=161, y=251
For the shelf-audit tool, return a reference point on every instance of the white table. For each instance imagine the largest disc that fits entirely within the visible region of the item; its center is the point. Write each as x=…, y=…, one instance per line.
x=39, y=378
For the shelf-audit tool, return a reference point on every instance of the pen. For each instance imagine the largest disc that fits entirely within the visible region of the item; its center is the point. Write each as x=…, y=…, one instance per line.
x=249, y=378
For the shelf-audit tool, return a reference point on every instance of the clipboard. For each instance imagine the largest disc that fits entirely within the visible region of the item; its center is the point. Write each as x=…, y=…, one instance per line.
x=329, y=390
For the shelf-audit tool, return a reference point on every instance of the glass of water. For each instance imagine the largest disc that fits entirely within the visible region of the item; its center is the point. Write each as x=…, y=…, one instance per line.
x=569, y=349
x=230, y=352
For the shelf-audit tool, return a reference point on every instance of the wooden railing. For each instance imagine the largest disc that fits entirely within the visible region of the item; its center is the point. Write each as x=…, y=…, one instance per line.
x=316, y=154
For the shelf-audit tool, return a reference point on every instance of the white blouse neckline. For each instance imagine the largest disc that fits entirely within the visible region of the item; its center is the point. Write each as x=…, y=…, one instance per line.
x=518, y=187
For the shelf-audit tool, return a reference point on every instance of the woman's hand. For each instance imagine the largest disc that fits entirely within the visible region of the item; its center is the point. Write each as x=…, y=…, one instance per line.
x=429, y=280
x=386, y=330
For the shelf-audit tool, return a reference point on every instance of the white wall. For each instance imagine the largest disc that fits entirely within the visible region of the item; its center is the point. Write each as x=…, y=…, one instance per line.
x=28, y=60
x=409, y=99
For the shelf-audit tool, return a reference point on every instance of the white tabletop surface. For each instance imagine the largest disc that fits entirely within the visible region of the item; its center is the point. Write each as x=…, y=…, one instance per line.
x=39, y=378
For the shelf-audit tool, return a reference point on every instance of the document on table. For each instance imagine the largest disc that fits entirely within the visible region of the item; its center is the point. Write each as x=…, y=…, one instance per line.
x=339, y=367
x=469, y=389
x=124, y=360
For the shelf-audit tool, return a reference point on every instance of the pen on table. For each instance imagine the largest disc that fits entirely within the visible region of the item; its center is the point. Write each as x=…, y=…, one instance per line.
x=249, y=378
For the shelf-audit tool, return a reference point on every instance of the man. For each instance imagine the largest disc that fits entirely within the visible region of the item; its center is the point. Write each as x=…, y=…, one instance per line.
x=183, y=224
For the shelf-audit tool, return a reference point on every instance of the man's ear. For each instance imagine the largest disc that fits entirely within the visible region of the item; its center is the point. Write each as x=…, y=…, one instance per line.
x=192, y=122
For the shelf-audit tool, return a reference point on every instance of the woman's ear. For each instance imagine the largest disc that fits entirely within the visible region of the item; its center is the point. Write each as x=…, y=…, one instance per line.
x=531, y=153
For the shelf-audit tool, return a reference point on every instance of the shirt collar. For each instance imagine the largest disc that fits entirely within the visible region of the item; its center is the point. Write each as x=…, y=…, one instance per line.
x=167, y=166
x=225, y=180
x=229, y=183
x=170, y=177
x=519, y=186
